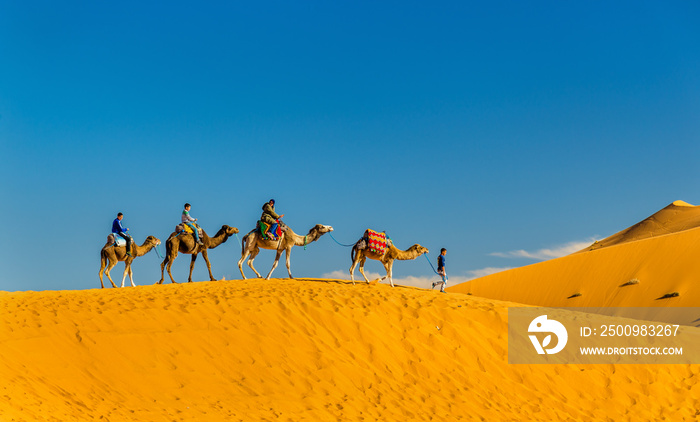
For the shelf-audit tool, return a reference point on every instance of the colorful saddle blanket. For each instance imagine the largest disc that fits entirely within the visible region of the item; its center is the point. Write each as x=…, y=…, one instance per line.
x=263, y=227
x=376, y=241
x=185, y=228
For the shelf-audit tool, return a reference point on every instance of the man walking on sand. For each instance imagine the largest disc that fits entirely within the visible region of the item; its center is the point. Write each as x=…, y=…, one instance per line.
x=441, y=271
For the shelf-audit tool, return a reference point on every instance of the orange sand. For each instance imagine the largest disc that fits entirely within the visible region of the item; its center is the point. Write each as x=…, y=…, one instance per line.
x=660, y=254
x=303, y=349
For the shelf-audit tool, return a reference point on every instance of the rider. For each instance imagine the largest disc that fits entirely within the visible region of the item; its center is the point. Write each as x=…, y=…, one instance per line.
x=270, y=217
x=121, y=231
x=188, y=220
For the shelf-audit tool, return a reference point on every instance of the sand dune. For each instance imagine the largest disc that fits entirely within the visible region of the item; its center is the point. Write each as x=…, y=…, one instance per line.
x=300, y=350
x=636, y=267
x=676, y=217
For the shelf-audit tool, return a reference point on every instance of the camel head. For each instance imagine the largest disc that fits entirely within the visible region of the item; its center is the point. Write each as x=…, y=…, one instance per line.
x=226, y=231
x=230, y=231
x=152, y=240
x=420, y=250
x=321, y=229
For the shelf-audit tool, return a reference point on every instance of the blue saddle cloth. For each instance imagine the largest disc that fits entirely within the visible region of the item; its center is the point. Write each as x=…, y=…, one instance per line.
x=118, y=240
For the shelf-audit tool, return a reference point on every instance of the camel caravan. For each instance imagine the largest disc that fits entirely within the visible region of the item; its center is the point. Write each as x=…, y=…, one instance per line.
x=269, y=233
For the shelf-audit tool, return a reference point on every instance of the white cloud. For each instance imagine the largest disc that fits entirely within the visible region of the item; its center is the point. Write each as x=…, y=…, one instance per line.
x=483, y=272
x=547, y=253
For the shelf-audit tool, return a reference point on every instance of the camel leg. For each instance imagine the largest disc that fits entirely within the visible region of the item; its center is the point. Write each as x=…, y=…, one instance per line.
x=387, y=267
x=162, y=268
x=103, y=264
x=352, y=267
x=206, y=259
x=126, y=271
x=244, y=255
x=362, y=268
x=274, y=264
x=194, y=258
x=289, y=269
x=127, y=267
x=131, y=276
x=253, y=254
x=109, y=268
x=170, y=255
x=170, y=264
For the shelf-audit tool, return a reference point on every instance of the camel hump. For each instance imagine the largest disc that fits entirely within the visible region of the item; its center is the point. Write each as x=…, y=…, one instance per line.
x=264, y=229
x=182, y=227
x=114, y=239
x=376, y=241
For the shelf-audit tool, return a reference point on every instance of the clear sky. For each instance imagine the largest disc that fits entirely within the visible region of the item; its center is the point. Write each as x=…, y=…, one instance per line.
x=506, y=132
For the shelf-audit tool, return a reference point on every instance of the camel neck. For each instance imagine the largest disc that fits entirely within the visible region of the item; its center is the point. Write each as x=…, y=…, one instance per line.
x=144, y=249
x=305, y=240
x=406, y=255
x=217, y=240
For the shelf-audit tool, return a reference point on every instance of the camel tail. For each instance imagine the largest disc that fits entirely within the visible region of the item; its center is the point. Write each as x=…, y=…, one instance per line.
x=103, y=259
x=244, y=241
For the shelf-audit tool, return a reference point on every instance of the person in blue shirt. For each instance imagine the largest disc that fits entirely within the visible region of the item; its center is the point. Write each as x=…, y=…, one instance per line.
x=121, y=231
x=441, y=270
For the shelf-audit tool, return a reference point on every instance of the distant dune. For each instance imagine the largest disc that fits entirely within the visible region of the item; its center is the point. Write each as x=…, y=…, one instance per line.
x=654, y=263
x=308, y=349
x=676, y=217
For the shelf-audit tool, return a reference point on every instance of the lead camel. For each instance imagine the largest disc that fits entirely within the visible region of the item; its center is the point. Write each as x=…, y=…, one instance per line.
x=387, y=258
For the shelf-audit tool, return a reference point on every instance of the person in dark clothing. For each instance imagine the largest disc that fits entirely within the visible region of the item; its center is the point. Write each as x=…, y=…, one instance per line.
x=270, y=217
x=118, y=229
x=441, y=270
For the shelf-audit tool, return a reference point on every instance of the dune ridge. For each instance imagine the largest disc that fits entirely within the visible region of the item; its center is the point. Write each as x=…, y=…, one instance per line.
x=304, y=349
x=675, y=217
x=651, y=264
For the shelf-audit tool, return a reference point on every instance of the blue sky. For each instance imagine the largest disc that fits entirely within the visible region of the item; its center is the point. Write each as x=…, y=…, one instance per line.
x=482, y=128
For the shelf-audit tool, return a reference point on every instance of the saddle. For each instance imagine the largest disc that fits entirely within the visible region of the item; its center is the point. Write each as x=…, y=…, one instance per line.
x=182, y=227
x=376, y=241
x=263, y=228
x=114, y=239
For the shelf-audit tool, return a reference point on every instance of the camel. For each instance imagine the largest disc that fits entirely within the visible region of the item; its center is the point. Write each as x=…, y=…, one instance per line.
x=111, y=254
x=185, y=243
x=391, y=253
x=253, y=241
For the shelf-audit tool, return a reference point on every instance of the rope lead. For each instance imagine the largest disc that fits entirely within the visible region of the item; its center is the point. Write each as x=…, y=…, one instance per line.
x=158, y=252
x=431, y=265
x=347, y=246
